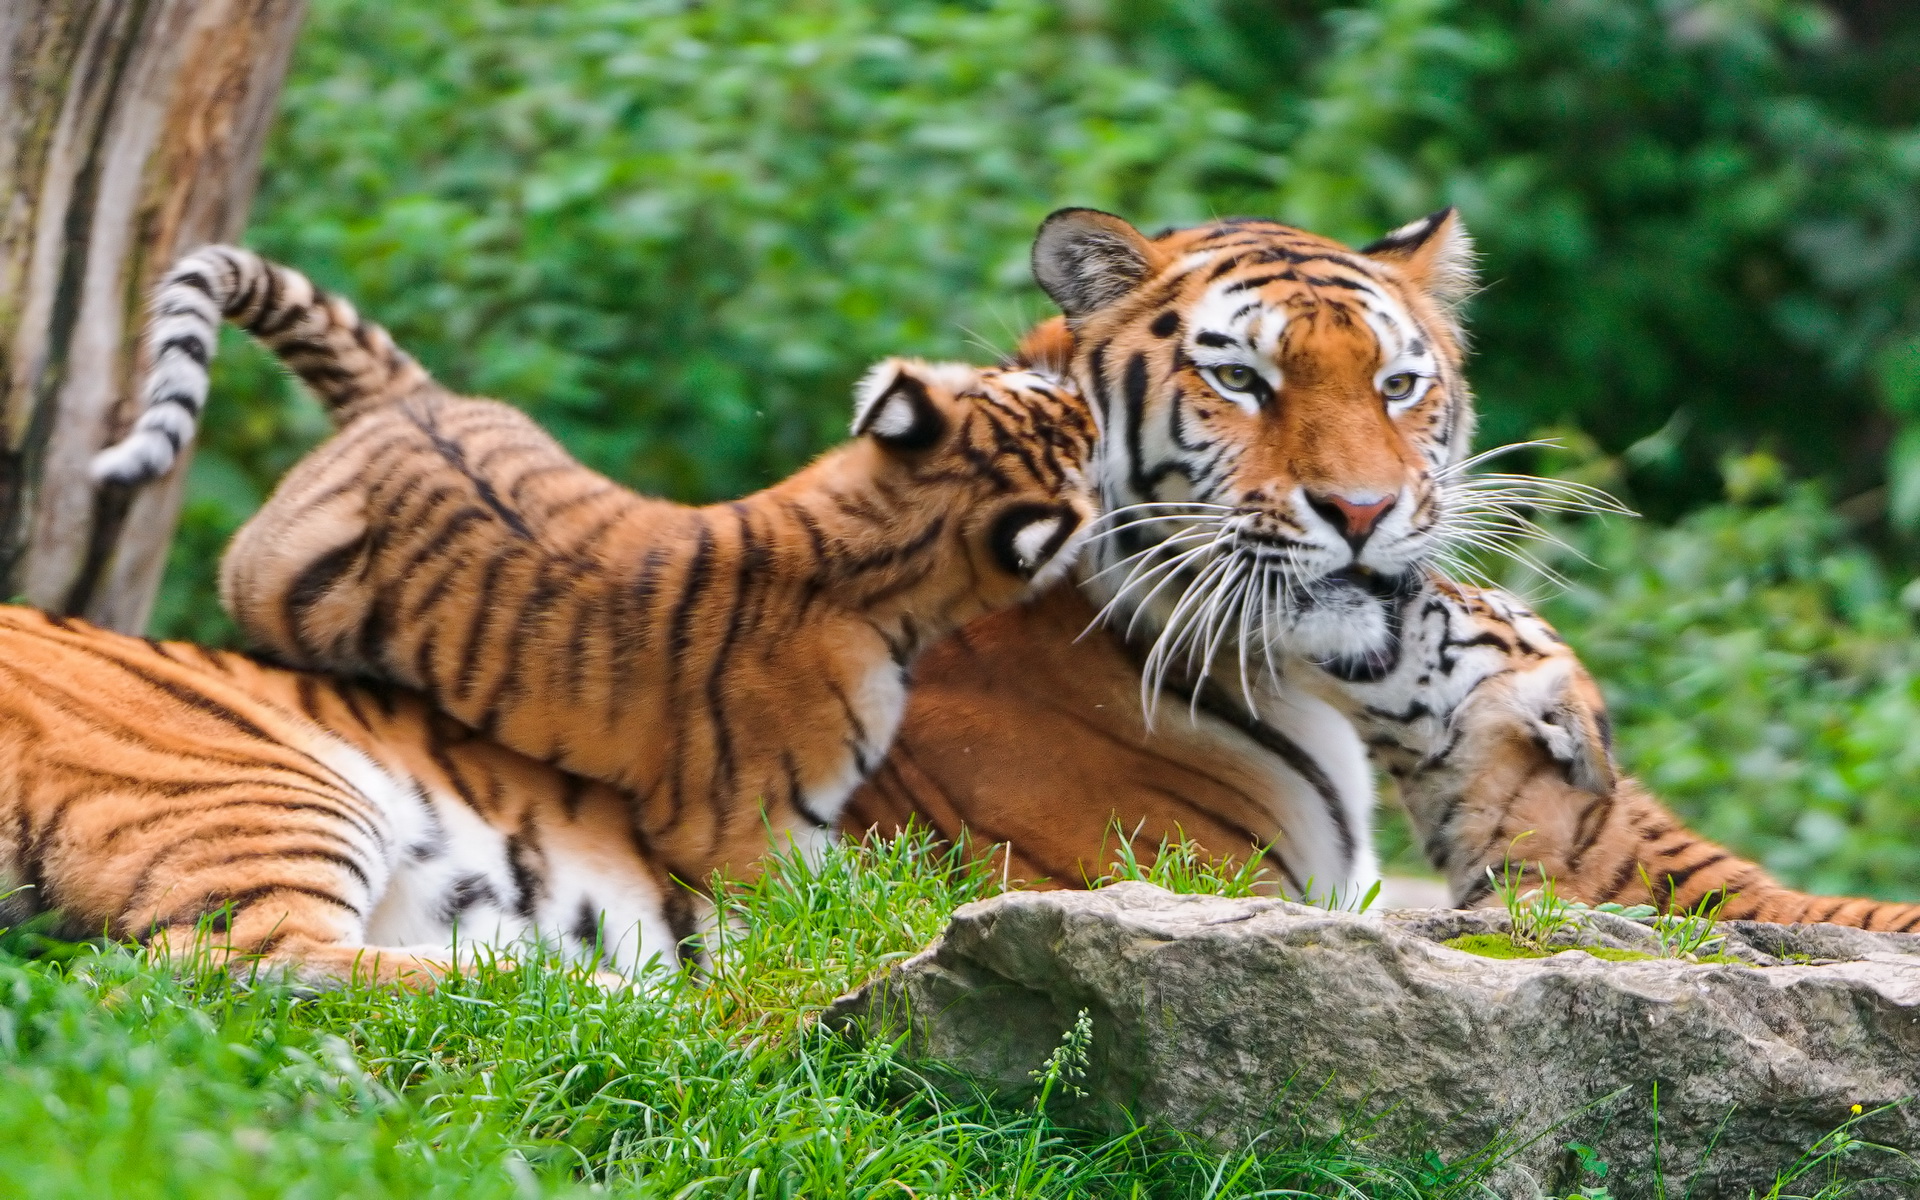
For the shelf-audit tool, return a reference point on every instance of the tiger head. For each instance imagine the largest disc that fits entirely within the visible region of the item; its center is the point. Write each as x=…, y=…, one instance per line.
x=1279, y=419
x=992, y=464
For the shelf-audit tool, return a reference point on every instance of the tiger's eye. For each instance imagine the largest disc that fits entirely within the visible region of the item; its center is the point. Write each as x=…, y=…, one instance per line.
x=1399, y=385
x=1236, y=377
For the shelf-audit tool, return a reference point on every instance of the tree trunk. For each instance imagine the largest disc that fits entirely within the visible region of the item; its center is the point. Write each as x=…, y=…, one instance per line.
x=130, y=133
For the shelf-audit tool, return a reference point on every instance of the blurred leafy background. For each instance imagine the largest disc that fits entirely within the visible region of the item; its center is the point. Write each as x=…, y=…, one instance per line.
x=677, y=231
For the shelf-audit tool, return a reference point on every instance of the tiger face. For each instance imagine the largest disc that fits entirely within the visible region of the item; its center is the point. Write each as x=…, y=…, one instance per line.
x=997, y=458
x=1280, y=416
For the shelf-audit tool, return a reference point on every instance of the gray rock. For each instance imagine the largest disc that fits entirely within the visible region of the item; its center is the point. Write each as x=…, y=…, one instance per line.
x=1226, y=1018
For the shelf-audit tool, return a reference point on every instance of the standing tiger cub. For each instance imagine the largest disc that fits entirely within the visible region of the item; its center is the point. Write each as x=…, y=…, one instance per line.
x=733, y=670
x=1500, y=744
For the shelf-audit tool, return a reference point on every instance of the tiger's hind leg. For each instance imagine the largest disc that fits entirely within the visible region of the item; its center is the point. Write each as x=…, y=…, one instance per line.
x=297, y=936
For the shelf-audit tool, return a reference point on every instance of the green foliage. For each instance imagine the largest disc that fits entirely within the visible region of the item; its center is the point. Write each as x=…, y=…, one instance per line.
x=530, y=1080
x=1536, y=917
x=1496, y=945
x=1180, y=864
x=677, y=232
x=1690, y=933
x=125, y=1083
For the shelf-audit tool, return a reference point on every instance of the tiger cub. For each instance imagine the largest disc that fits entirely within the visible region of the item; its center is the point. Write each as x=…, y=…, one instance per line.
x=736, y=669
x=166, y=793
x=1500, y=743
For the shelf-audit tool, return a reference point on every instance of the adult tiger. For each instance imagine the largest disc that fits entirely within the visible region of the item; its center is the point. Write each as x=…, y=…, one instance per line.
x=1500, y=744
x=1293, y=418
x=1034, y=730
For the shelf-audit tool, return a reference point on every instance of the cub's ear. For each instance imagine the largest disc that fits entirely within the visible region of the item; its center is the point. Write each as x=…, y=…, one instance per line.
x=1568, y=718
x=893, y=404
x=1087, y=259
x=1434, y=254
x=1027, y=539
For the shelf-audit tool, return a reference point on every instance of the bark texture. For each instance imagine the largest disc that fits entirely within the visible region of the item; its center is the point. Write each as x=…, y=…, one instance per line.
x=130, y=133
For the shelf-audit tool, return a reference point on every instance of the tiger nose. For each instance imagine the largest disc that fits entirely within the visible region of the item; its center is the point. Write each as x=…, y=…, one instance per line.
x=1354, y=516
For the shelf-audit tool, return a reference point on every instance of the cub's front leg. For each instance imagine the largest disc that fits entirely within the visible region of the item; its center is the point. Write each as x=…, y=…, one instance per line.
x=1501, y=746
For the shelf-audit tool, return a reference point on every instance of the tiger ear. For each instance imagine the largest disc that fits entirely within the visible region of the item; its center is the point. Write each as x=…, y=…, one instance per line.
x=893, y=404
x=1434, y=254
x=1087, y=259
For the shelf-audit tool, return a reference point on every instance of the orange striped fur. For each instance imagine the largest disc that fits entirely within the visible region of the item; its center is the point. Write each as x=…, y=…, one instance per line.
x=1499, y=741
x=1346, y=388
x=735, y=669
x=1019, y=730
x=163, y=792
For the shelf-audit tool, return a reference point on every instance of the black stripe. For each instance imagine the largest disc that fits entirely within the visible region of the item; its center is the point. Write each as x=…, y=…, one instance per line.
x=254, y=895
x=1678, y=879
x=479, y=622
x=1587, y=830
x=753, y=561
x=1215, y=702
x=455, y=454
x=346, y=863
x=188, y=344
x=692, y=589
x=1133, y=392
x=1628, y=869
x=311, y=585
x=527, y=880
x=466, y=892
x=195, y=280
x=269, y=303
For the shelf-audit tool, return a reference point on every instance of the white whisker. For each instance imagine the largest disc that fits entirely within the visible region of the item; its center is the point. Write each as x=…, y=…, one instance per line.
x=1131, y=525
x=1178, y=630
x=1165, y=571
x=1249, y=592
x=1179, y=539
x=1214, y=622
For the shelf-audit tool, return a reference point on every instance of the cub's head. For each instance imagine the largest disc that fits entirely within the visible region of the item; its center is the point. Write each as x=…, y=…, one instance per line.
x=985, y=473
x=1282, y=411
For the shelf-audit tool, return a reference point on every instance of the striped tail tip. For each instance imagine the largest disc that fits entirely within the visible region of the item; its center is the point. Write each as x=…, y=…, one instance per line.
x=170, y=405
x=180, y=336
x=142, y=456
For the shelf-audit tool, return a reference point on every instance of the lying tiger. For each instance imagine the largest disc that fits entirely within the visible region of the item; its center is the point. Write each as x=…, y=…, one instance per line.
x=330, y=830
x=734, y=671
x=1500, y=744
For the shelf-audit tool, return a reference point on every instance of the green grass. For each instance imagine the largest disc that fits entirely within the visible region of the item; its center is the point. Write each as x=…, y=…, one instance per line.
x=128, y=1079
